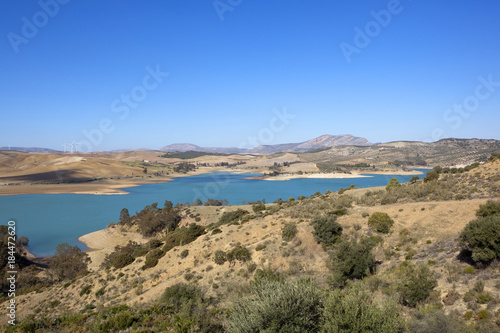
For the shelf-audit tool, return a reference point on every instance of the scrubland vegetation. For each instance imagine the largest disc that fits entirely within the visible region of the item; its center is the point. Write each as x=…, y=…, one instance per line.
x=346, y=261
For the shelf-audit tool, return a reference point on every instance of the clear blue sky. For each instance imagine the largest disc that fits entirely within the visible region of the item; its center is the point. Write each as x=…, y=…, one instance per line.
x=225, y=77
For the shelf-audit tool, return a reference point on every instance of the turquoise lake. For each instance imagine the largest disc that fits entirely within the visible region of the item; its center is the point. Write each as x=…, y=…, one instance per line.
x=50, y=219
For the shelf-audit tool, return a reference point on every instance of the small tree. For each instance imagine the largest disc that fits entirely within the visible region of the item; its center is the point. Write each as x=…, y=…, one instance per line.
x=289, y=231
x=414, y=179
x=351, y=260
x=124, y=216
x=482, y=238
x=431, y=176
x=393, y=183
x=415, y=284
x=380, y=222
x=488, y=209
x=68, y=262
x=326, y=229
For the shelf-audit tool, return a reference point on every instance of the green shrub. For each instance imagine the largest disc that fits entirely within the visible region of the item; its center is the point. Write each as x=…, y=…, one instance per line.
x=484, y=298
x=365, y=214
x=430, y=320
x=183, y=236
x=326, y=229
x=289, y=231
x=482, y=238
x=230, y=217
x=216, y=231
x=278, y=306
x=152, y=258
x=121, y=260
x=100, y=292
x=488, y=209
x=220, y=257
x=184, y=254
x=416, y=282
x=153, y=244
x=180, y=294
x=355, y=310
x=240, y=253
x=380, y=222
x=351, y=260
x=122, y=320
x=258, y=207
x=260, y=247
x=430, y=176
x=85, y=290
x=469, y=270
x=393, y=183
x=338, y=212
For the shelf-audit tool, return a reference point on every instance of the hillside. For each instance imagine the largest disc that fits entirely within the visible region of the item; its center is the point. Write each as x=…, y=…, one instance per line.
x=282, y=244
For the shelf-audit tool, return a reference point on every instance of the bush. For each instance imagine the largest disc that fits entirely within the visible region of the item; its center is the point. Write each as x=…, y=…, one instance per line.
x=430, y=176
x=481, y=237
x=180, y=294
x=326, y=229
x=182, y=236
x=220, y=257
x=354, y=310
x=240, y=253
x=278, y=306
x=152, y=258
x=393, y=183
x=121, y=260
x=258, y=207
x=380, y=222
x=351, y=260
x=415, y=284
x=229, y=217
x=488, y=209
x=184, y=254
x=289, y=231
x=432, y=321
x=69, y=262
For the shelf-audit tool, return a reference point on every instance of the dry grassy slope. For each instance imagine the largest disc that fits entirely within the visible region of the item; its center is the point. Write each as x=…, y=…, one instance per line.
x=53, y=167
x=431, y=229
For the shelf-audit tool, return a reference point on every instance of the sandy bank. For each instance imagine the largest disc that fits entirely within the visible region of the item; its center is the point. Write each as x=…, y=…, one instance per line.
x=354, y=174
x=103, y=242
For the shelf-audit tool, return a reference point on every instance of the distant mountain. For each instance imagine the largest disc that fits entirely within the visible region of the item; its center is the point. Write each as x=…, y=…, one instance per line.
x=323, y=141
x=183, y=147
x=31, y=149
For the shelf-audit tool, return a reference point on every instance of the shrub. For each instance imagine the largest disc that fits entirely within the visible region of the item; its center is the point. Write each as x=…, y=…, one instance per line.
x=326, y=229
x=184, y=254
x=260, y=247
x=152, y=258
x=355, y=310
x=258, y=207
x=216, y=231
x=229, y=217
x=484, y=298
x=469, y=270
x=289, y=231
x=180, y=294
x=380, y=222
x=393, y=183
x=69, y=262
x=482, y=238
x=432, y=321
x=278, y=306
x=365, y=214
x=85, y=290
x=430, y=176
x=240, y=253
x=415, y=284
x=488, y=209
x=220, y=257
x=351, y=260
x=183, y=236
x=121, y=260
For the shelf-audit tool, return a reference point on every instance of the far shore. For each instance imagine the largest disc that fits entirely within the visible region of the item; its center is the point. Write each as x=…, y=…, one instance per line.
x=115, y=187
x=354, y=174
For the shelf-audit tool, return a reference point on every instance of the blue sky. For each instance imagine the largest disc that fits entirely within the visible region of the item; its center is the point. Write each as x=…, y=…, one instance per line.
x=383, y=70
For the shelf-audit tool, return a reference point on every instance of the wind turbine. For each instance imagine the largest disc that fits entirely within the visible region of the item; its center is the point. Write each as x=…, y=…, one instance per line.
x=76, y=146
x=64, y=145
x=71, y=145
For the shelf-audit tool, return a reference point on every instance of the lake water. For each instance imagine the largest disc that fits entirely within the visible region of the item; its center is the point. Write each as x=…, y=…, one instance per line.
x=51, y=219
